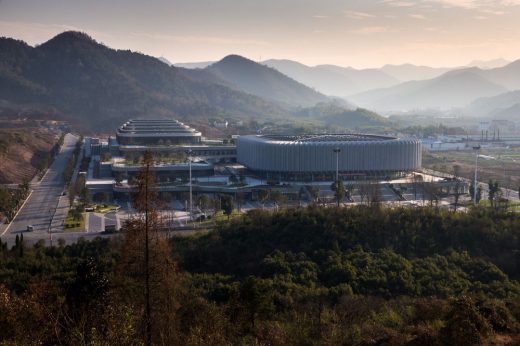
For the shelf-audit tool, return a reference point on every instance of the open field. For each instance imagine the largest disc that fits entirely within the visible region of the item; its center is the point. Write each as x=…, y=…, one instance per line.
x=502, y=165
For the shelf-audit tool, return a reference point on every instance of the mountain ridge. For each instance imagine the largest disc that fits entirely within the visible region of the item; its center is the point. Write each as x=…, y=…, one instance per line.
x=455, y=88
x=99, y=86
x=265, y=82
x=332, y=79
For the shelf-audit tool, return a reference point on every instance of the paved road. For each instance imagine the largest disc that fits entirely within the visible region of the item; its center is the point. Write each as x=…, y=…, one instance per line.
x=95, y=222
x=44, y=202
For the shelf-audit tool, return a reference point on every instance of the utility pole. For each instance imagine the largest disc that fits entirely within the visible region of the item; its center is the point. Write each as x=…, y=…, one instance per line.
x=50, y=226
x=476, y=148
x=147, y=259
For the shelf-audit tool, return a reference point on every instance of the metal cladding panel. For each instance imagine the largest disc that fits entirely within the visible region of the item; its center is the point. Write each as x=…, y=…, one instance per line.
x=265, y=154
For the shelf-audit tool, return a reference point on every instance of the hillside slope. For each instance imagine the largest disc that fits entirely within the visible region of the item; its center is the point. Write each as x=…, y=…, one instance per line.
x=333, y=114
x=21, y=150
x=99, y=87
x=487, y=106
x=264, y=82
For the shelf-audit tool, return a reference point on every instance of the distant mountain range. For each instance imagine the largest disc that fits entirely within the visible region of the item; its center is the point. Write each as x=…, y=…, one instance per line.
x=409, y=72
x=488, y=64
x=96, y=87
x=333, y=80
x=75, y=78
x=407, y=87
x=503, y=106
x=201, y=64
x=402, y=87
x=453, y=89
x=265, y=82
x=343, y=81
x=101, y=87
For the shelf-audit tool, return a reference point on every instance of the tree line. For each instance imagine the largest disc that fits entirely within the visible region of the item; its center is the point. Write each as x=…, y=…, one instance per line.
x=358, y=276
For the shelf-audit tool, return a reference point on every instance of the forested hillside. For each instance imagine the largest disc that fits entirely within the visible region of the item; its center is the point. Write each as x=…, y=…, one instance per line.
x=263, y=81
x=333, y=114
x=355, y=276
x=98, y=87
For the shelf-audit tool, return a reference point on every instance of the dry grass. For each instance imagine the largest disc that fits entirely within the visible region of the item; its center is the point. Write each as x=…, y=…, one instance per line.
x=21, y=149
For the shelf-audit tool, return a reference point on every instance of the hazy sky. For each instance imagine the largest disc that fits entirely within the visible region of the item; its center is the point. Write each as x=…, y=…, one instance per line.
x=359, y=33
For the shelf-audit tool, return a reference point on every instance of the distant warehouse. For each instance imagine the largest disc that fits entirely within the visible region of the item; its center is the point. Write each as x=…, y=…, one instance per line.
x=314, y=157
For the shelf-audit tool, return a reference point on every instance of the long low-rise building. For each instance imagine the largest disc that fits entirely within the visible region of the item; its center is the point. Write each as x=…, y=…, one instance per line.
x=156, y=131
x=316, y=157
x=179, y=152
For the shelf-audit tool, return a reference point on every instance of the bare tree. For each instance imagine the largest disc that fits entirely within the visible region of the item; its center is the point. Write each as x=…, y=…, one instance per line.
x=314, y=192
x=147, y=261
x=370, y=193
x=458, y=190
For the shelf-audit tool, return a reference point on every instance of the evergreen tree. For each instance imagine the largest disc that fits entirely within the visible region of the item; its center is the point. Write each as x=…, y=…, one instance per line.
x=227, y=205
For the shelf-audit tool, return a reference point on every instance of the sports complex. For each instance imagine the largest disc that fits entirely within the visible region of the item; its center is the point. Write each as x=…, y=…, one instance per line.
x=317, y=157
x=246, y=164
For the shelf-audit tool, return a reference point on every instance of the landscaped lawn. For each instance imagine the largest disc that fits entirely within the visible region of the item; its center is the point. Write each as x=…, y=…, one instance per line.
x=104, y=208
x=219, y=217
x=71, y=225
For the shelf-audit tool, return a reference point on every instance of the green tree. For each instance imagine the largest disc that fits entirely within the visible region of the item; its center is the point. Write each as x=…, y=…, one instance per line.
x=479, y=192
x=256, y=296
x=465, y=324
x=339, y=191
x=227, y=205
x=203, y=202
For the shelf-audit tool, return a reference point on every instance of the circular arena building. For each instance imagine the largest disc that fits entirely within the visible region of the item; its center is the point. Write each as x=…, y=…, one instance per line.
x=314, y=157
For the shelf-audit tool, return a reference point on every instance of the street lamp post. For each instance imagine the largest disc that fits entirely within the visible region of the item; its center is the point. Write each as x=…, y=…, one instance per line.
x=189, y=152
x=50, y=226
x=476, y=148
x=337, y=151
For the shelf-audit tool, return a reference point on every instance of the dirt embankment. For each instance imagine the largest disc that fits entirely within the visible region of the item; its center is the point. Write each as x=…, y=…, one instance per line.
x=22, y=150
